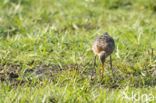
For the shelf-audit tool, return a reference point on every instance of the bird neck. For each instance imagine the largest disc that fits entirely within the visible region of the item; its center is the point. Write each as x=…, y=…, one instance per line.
x=102, y=57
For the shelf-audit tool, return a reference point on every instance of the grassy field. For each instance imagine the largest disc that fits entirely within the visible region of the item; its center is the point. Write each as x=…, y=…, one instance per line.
x=46, y=55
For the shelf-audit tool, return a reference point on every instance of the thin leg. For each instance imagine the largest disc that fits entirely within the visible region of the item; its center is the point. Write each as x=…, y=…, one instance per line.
x=94, y=67
x=102, y=69
x=94, y=61
x=111, y=61
x=111, y=65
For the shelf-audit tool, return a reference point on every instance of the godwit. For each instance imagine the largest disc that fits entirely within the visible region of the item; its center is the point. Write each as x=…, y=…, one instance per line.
x=103, y=46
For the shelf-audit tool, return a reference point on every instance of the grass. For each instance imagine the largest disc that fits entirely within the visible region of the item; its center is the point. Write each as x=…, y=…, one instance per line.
x=46, y=56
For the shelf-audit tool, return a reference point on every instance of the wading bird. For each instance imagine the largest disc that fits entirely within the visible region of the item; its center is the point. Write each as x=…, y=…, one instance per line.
x=103, y=46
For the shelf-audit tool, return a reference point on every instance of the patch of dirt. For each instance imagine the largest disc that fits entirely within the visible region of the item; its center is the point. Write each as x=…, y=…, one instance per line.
x=15, y=75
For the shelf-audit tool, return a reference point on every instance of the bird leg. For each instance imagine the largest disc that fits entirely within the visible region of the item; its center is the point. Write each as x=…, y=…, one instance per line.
x=94, y=66
x=94, y=61
x=111, y=65
x=111, y=61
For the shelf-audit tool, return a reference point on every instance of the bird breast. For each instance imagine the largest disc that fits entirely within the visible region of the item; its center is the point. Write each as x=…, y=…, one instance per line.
x=103, y=44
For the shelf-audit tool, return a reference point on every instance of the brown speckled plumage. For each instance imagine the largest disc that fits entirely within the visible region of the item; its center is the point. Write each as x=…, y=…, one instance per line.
x=103, y=46
x=103, y=43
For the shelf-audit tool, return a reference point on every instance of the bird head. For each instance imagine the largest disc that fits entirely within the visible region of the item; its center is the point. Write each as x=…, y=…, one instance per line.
x=102, y=57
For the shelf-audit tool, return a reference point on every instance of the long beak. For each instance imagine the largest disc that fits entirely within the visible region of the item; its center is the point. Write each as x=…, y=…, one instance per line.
x=102, y=68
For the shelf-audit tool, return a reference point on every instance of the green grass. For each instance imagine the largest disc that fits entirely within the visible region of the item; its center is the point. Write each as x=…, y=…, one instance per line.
x=57, y=35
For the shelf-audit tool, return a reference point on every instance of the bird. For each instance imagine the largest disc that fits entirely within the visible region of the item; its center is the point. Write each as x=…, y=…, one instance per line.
x=103, y=46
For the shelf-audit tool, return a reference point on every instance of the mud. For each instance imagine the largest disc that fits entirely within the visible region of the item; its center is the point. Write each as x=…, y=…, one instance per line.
x=15, y=75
